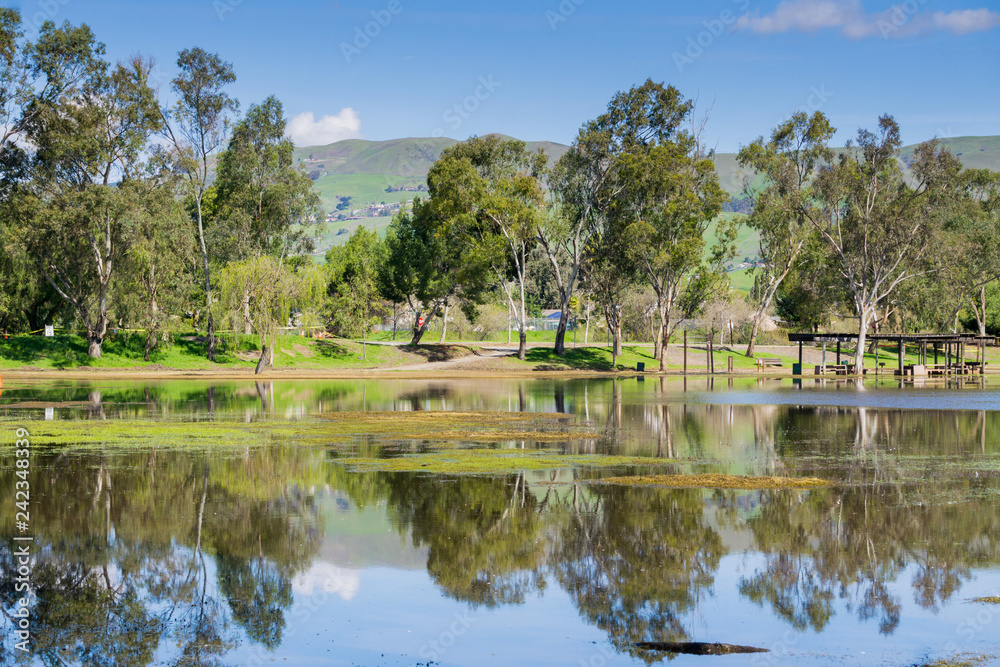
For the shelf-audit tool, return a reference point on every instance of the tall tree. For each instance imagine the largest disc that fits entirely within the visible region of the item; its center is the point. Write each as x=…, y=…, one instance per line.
x=266, y=201
x=89, y=157
x=497, y=182
x=156, y=270
x=789, y=163
x=669, y=194
x=878, y=225
x=200, y=124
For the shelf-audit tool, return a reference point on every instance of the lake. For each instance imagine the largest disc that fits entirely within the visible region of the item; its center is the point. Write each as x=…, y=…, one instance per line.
x=349, y=522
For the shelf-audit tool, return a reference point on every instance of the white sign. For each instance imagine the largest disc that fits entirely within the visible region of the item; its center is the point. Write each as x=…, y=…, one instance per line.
x=50, y=331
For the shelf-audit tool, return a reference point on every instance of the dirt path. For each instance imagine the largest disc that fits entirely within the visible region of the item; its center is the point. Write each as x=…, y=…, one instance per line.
x=473, y=359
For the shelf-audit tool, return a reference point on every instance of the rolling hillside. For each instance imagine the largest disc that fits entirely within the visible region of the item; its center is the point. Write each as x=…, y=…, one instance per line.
x=363, y=170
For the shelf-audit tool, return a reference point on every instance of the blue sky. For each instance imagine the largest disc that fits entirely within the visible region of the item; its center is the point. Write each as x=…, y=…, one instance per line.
x=537, y=70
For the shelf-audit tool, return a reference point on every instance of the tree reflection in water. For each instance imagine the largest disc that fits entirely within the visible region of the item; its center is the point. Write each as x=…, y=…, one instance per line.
x=142, y=549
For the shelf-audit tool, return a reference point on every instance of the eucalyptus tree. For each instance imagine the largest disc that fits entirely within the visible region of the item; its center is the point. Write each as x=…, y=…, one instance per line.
x=265, y=208
x=975, y=261
x=497, y=182
x=669, y=195
x=624, y=167
x=197, y=127
x=156, y=270
x=90, y=150
x=432, y=263
x=789, y=163
x=878, y=225
x=583, y=187
x=34, y=78
x=267, y=204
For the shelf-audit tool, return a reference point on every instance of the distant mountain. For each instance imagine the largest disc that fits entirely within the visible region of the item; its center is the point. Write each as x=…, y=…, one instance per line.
x=406, y=158
x=355, y=172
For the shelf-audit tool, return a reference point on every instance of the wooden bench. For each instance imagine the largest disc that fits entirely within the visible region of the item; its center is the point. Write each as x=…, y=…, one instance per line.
x=767, y=362
x=836, y=369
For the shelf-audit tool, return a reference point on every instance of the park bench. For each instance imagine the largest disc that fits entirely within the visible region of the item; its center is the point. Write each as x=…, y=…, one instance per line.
x=836, y=369
x=767, y=362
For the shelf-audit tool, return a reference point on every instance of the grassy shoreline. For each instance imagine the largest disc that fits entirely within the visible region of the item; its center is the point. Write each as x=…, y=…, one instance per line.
x=299, y=357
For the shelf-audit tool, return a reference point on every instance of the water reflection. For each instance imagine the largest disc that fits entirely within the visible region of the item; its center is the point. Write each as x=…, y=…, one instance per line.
x=159, y=555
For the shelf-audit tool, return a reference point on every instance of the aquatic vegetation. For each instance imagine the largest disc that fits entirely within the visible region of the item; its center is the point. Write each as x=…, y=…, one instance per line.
x=339, y=429
x=988, y=600
x=493, y=462
x=716, y=481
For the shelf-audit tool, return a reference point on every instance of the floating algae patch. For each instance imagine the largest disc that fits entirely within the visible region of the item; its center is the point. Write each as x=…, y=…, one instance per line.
x=459, y=426
x=125, y=434
x=716, y=481
x=340, y=429
x=990, y=600
x=492, y=462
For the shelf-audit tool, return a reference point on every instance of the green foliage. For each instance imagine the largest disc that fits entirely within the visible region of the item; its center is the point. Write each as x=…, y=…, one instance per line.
x=266, y=202
x=352, y=271
x=433, y=260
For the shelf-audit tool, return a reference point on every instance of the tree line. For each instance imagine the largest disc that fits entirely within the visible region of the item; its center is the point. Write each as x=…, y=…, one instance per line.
x=122, y=211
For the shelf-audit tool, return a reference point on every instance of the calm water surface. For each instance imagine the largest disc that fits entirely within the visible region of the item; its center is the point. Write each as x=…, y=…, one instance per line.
x=276, y=554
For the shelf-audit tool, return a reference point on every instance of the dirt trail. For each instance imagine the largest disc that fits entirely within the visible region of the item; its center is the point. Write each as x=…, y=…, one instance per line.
x=487, y=354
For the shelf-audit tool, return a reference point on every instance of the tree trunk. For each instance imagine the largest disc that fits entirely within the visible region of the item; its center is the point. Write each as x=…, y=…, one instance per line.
x=419, y=331
x=266, y=358
x=665, y=336
x=859, y=354
x=94, y=346
x=560, y=347
x=522, y=348
x=211, y=337
x=660, y=342
x=444, y=324
x=752, y=345
x=153, y=329
x=981, y=311
x=208, y=280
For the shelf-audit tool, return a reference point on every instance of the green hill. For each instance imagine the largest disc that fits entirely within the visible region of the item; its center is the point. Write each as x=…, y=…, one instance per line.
x=395, y=171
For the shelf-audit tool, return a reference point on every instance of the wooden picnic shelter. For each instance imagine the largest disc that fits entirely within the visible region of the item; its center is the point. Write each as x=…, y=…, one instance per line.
x=952, y=347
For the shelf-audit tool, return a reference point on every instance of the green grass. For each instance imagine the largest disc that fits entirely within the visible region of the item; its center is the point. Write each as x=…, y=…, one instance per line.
x=126, y=351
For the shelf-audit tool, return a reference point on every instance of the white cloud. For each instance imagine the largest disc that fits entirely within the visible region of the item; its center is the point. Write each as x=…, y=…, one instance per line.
x=965, y=21
x=327, y=577
x=305, y=130
x=849, y=16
